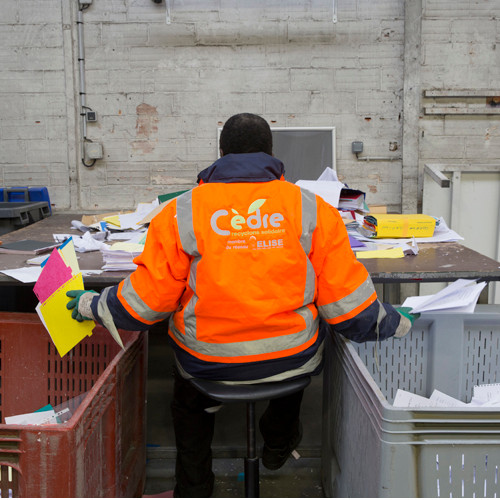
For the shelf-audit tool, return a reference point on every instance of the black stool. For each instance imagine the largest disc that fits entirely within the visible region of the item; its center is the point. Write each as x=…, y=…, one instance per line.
x=250, y=394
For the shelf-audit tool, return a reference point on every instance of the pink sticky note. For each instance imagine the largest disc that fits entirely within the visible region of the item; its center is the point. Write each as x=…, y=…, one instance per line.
x=54, y=274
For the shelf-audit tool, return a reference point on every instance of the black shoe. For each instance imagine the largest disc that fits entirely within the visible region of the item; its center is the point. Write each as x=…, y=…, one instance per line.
x=274, y=458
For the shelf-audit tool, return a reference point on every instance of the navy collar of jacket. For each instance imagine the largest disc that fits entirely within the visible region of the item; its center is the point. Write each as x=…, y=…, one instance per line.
x=245, y=167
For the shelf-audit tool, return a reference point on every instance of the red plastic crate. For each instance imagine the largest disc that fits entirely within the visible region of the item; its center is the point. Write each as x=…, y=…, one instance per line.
x=101, y=450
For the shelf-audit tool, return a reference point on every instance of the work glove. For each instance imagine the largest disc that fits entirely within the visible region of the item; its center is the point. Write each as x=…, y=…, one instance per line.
x=406, y=322
x=80, y=303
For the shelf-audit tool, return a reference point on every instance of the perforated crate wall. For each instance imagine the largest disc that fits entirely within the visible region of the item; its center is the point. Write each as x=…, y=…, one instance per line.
x=371, y=448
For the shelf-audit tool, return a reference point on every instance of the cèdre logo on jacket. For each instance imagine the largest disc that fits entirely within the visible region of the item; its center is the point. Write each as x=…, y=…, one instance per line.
x=253, y=223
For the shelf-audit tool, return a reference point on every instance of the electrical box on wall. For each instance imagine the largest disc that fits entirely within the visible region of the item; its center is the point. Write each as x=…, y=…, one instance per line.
x=357, y=147
x=93, y=150
x=91, y=116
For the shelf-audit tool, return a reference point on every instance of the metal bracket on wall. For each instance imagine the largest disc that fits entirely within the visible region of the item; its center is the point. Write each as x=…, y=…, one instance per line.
x=468, y=102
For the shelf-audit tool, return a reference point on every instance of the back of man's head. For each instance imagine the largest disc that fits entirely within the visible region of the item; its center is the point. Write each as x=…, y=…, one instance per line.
x=246, y=133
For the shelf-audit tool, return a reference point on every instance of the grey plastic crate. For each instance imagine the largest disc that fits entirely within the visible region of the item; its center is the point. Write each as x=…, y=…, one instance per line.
x=372, y=449
x=15, y=215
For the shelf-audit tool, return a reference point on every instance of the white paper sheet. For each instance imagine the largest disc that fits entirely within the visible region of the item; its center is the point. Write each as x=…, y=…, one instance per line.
x=36, y=418
x=460, y=296
x=328, y=190
x=442, y=399
x=328, y=175
x=405, y=399
x=24, y=274
x=486, y=392
x=131, y=221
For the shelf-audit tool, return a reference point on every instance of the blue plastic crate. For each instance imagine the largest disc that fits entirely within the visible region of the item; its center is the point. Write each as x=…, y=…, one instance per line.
x=23, y=193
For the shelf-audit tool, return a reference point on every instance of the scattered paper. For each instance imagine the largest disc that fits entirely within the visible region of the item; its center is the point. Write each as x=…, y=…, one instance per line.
x=441, y=399
x=87, y=243
x=405, y=399
x=486, y=395
x=328, y=175
x=91, y=272
x=95, y=220
x=411, y=248
x=355, y=243
x=391, y=253
x=328, y=190
x=460, y=296
x=131, y=236
x=133, y=220
x=35, y=418
x=120, y=256
x=37, y=261
x=24, y=274
x=80, y=226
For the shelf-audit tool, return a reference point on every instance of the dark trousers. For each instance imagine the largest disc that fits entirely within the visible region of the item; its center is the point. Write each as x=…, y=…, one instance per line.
x=194, y=430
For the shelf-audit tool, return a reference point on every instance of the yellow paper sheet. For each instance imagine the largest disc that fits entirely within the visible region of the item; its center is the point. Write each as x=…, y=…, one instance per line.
x=113, y=219
x=64, y=331
x=391, y=253
x=69, y=256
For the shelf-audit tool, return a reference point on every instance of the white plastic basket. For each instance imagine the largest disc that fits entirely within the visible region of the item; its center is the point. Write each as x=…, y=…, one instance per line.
x=372, y=449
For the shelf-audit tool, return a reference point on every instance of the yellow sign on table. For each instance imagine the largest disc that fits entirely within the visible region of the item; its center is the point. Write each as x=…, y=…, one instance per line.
x=65, y=332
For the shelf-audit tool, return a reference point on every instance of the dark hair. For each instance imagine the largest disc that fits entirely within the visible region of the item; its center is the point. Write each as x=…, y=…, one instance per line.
x=246, y=133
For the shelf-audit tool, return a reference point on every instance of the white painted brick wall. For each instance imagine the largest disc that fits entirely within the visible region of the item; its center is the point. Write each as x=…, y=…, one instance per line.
x=161, y=90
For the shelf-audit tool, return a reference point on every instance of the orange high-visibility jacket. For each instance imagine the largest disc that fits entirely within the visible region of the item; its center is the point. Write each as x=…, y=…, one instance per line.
x=244, y=266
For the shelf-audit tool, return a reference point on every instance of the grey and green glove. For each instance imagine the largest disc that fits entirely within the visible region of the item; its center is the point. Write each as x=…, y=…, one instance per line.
x=407, y=320
x=80, y=303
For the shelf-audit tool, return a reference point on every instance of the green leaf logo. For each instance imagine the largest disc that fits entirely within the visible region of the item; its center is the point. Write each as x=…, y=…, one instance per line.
x=255, y=205
x=234, y=211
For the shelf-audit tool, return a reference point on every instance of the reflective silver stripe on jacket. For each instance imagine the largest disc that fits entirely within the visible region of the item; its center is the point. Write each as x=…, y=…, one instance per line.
x=348, y=303
x=309, y=219
x=189, y=314
x=248, y=347
x=138, y=305
x=190, y=246
x=185, y=223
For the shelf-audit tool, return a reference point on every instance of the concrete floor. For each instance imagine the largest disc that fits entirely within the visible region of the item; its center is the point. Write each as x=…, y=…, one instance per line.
x=296, y=479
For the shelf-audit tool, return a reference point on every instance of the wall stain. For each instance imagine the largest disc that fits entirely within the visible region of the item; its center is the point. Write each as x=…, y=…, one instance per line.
x=146, y=127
